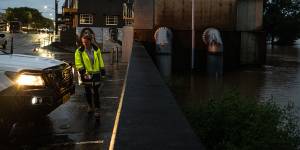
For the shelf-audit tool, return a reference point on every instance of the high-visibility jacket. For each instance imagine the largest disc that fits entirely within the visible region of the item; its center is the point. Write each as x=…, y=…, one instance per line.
x=82, y=60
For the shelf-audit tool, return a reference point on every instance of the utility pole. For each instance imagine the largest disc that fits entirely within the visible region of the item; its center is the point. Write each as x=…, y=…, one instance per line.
x=12, y=43
x=193, y=34
x=55, y=20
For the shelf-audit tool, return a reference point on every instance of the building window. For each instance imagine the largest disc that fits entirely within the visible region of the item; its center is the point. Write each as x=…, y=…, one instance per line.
x=86, y=19
x=111, y=20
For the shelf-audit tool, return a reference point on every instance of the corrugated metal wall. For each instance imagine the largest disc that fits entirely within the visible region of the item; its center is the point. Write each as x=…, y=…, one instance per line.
x=177, y=13
x=173, y=13
x=216, y=13
x=242, y=15
x=143, y=14
x=249, y=22
x=249, y=15
x=240, y=23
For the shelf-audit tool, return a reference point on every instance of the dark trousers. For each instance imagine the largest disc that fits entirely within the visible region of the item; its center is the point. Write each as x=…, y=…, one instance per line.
x=95, y=94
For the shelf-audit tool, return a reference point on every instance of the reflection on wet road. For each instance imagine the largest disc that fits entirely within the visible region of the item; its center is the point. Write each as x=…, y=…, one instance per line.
x=69, y=126
x=25, y=43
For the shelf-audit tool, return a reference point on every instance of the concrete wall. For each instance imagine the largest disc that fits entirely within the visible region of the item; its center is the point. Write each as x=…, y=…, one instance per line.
x=127, y=43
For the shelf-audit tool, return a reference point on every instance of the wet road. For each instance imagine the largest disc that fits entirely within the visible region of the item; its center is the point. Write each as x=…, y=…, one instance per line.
x=69, y=126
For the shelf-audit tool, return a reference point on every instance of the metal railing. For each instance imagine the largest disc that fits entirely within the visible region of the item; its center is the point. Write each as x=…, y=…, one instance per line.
x=115, y=54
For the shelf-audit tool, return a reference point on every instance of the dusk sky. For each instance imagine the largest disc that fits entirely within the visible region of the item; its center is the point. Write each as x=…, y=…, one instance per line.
x=38, y=4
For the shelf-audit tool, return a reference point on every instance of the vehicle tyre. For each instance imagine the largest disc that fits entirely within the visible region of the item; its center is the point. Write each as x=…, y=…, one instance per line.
x=5, y=128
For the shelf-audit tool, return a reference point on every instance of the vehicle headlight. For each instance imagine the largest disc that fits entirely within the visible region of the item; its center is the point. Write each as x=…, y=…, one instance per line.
x=30, y=80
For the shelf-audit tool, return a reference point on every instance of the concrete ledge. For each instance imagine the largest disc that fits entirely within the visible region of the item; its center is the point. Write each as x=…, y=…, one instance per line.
x=150, y=117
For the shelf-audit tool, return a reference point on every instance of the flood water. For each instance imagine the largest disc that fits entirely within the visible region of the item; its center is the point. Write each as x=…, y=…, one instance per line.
x=279, y=79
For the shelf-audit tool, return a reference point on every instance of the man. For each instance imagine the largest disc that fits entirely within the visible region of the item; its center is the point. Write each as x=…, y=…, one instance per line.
x=89, y=63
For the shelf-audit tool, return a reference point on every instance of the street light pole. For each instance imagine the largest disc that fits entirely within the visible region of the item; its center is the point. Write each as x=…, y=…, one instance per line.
x=56, y=12
x=12, y=43
x=193, y=34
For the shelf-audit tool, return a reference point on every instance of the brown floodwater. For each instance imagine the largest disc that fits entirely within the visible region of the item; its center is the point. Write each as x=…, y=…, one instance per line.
x=278, y=79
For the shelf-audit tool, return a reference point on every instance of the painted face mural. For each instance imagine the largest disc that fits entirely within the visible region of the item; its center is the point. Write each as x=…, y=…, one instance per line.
x=212, y=39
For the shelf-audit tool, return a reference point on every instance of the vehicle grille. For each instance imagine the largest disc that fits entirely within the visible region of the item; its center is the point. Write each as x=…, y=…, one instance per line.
x=59, y=77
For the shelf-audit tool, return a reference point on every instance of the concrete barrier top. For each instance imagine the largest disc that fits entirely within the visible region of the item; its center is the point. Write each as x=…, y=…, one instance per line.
x=150, y=117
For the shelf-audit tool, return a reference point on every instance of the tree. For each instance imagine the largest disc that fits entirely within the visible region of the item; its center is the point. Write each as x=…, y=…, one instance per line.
x=281, y=20
x=28, y=16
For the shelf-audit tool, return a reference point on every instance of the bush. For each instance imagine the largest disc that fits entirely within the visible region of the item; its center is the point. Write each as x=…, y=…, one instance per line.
x=237, y=123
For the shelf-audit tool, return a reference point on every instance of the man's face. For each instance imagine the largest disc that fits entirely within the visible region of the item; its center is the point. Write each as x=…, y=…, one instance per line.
x=86, y=42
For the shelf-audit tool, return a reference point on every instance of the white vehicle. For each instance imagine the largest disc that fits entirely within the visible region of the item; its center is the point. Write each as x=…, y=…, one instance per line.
x=3, y=40
x=46, y=30
x=31, y=86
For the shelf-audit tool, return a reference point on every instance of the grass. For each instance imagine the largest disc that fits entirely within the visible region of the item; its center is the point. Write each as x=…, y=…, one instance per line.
x=234, y=122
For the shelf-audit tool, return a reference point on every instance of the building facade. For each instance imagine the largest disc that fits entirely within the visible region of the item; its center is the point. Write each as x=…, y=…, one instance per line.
x=101, y=18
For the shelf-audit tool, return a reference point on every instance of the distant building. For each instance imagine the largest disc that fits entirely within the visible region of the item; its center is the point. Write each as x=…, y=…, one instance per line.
x=100, y=17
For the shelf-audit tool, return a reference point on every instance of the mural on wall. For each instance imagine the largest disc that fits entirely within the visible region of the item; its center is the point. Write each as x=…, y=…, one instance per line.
x=101, y=36
x=163, y=38
x=213, y=41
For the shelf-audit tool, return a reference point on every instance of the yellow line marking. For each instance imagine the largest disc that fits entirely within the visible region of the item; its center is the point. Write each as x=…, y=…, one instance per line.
x=79, y=143
x=115, y=129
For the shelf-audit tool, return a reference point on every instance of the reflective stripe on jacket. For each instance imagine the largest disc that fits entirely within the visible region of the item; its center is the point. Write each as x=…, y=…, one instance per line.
x=82, y=60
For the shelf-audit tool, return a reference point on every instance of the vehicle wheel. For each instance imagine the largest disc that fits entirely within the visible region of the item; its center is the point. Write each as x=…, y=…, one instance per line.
x=5, y=128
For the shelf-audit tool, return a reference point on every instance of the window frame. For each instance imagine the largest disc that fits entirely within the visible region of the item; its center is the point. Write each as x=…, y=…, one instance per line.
x=111, y=20
x=89, y=18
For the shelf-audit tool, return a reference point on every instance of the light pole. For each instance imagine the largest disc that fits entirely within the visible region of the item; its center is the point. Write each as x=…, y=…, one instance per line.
x=55, y=20
x=55, y=17
x=193, y=34
x=12, y=43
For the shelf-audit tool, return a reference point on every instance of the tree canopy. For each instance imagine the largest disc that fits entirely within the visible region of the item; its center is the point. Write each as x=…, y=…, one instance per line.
x=28, y=16
x=281, y=20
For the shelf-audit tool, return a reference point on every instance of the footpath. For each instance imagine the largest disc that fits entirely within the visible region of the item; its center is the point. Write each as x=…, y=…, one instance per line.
x=78, y=129
x=138, y=111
